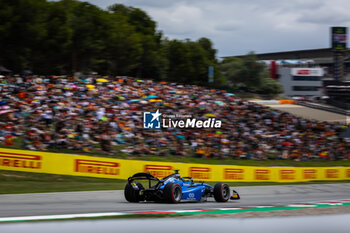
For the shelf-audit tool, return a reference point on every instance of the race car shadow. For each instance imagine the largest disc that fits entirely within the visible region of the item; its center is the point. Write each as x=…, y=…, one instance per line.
x=182, y=202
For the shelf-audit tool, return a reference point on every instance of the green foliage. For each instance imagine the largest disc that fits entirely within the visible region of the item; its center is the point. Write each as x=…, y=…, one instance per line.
x=252, y=71
x=189, y=61
x=67, y=36
x=144, y=41
x=249, y=73
x=231, y=69
x=270, y=87
x=21, y=30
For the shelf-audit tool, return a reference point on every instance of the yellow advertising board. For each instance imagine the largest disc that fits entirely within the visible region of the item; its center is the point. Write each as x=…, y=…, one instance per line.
x=78, y=165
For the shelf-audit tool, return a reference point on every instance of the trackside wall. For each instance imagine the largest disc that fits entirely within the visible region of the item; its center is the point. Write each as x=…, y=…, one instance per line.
x=78, y=165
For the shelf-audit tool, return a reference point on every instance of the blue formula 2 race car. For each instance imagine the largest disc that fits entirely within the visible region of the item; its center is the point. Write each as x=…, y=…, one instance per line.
x=174, y=188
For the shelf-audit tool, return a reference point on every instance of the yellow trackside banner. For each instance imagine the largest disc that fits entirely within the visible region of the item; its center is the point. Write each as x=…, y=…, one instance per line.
x=78, y=165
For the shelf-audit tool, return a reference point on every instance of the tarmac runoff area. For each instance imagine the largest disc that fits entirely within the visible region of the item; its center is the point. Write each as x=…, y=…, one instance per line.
x=256, y=201
x=311, y=113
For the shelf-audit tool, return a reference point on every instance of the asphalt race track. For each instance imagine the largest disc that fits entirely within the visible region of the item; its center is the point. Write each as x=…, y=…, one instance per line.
x=311, y=113
x=303, y=224
x=113, y=201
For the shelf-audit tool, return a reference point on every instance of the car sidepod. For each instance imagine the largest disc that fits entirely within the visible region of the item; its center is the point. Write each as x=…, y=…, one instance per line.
x=193, y=193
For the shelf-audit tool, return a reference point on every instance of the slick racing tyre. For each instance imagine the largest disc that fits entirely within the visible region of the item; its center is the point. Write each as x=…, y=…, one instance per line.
x=221, y=192
x=172, y=193
x=131, y=194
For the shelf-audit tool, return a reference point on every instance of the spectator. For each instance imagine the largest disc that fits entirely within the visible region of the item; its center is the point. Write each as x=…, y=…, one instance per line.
x=60, y=112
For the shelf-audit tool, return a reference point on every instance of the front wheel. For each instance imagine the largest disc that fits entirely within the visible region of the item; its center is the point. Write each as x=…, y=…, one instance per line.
x=172, y=193
x=221, y=192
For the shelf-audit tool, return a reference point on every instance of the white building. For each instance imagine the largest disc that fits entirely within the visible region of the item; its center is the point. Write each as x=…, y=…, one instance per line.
x=297, y=81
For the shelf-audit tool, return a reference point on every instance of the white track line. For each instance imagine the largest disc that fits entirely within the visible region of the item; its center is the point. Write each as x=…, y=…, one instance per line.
x=57, y=217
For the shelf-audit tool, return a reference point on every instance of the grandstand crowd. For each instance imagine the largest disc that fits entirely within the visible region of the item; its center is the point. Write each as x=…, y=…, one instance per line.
x=105, y=113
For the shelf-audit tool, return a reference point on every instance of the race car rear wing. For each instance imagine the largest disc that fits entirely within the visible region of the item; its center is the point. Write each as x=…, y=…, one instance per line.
x=143, y=176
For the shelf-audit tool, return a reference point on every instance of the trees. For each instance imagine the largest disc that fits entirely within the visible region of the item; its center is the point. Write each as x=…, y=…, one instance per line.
x=63, y=37
x=270, y=87
x=21, y=30
x=66, y=36
x=188, y=61
x=147, y=60
x=231, y=70
x=55, y=46
x=249, y=73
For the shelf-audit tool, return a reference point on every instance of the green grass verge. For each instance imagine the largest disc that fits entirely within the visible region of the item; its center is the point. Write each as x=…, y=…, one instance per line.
x=26, y=182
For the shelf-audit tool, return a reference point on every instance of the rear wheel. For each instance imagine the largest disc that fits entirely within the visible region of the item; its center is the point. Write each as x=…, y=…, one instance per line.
x=131, y=194
x=221, y=192
x=172, y=193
